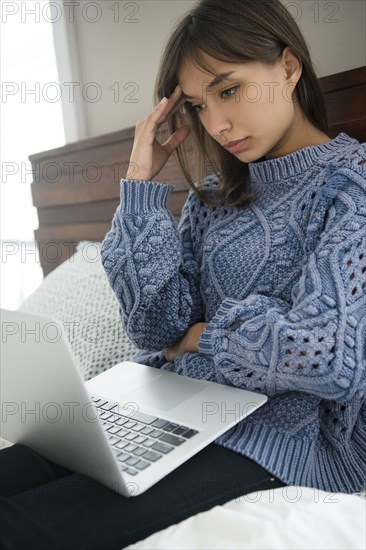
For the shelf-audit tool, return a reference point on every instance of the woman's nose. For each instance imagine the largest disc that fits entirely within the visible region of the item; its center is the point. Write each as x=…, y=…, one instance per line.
x=217, y=124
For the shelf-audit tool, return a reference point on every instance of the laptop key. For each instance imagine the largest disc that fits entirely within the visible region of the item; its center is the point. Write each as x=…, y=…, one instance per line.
x=130, y=448
x=156, y=433
x=114, y=429
x=131, y=472
x=160, y=423
x=122, y=444
x=108, y=406
x=180, y=430
x=106, y=415
x=98, y=401
x=122, y=432
x=189, y=434
x=149, y=442
x=129, y=424
x=112, y=440
x=132, y=461
x=140, y=451
x=162, y=448
x=140, y=439
x=138, y=427
x=147, y=430
x=174, y=440
x=142, y=465
x=153, y=457
x=170, y=427
x=121, y=420
x=130, y=436
x=143, y=417
x=122, y=457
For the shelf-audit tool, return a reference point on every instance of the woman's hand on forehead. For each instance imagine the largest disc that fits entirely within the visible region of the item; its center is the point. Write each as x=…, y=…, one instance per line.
x=149, y=155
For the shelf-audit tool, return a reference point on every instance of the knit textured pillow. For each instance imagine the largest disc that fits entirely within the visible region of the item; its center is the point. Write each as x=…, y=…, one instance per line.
x=77, y=294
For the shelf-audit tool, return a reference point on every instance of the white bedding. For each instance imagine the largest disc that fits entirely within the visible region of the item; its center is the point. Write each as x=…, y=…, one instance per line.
x=286, y=518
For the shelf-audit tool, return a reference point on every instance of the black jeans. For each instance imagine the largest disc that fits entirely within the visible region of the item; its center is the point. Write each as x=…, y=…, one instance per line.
x=46, y=507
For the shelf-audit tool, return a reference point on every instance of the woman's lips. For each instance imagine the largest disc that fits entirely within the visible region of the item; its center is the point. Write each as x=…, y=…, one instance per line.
x=234, y=146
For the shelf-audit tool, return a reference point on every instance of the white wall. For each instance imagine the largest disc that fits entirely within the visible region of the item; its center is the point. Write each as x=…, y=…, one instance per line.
x=118, y=54
x=335, y=32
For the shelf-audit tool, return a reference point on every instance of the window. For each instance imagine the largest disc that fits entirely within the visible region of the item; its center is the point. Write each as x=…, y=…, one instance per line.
x=31, y=122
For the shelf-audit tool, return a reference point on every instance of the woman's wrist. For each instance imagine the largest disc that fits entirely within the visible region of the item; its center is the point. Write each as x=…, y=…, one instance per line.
x=187, y=344
x=137, y=176
x=194, y=334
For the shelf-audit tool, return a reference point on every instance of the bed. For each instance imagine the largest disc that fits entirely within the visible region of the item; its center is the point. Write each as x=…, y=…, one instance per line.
x=76, y=191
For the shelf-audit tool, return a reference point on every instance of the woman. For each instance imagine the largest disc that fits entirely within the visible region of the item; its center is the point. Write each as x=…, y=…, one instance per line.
x=262, y=286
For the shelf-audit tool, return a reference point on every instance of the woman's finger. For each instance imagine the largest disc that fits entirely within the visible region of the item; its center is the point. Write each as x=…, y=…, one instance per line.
x=166, y=106
x=176, y=139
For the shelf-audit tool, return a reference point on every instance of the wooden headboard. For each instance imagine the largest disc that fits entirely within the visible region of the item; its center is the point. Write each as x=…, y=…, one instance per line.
x=76, y=187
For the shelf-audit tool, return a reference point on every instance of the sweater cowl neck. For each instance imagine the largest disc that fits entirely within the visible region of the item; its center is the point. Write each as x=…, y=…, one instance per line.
x=284, y=168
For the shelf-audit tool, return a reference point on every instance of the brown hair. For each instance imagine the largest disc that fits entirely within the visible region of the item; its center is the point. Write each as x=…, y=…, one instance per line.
x=237, y=31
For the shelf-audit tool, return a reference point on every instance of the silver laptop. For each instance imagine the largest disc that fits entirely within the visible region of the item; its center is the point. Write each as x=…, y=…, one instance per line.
x=127, y=427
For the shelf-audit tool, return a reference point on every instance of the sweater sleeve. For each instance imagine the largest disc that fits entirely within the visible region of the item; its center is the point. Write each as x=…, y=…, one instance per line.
x=151, y=267
x=316, y=343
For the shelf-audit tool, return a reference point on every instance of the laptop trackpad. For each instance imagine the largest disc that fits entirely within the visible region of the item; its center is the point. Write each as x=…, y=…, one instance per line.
x=166, y=392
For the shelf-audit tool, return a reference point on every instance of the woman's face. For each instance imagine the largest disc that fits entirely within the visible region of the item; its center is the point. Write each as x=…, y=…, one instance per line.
x=254, y=103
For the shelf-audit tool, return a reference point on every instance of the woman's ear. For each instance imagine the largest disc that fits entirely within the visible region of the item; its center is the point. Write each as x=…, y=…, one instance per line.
x=292, y=66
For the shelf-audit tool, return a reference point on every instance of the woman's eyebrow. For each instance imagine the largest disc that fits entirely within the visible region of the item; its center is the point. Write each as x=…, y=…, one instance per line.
x=218, y=78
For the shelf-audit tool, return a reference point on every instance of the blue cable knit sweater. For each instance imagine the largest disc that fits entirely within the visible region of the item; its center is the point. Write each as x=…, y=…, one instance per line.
x=282, y=284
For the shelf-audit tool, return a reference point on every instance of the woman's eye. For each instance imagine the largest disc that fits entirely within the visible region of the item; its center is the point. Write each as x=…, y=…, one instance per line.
x=229, y=91
x=197, y=108
x=224, y=94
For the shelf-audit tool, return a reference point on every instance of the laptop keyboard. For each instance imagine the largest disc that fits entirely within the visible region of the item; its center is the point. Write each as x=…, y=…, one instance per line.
x=139, y=439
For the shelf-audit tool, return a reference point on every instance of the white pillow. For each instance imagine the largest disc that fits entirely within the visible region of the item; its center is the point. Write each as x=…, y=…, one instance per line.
x=78, y=295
